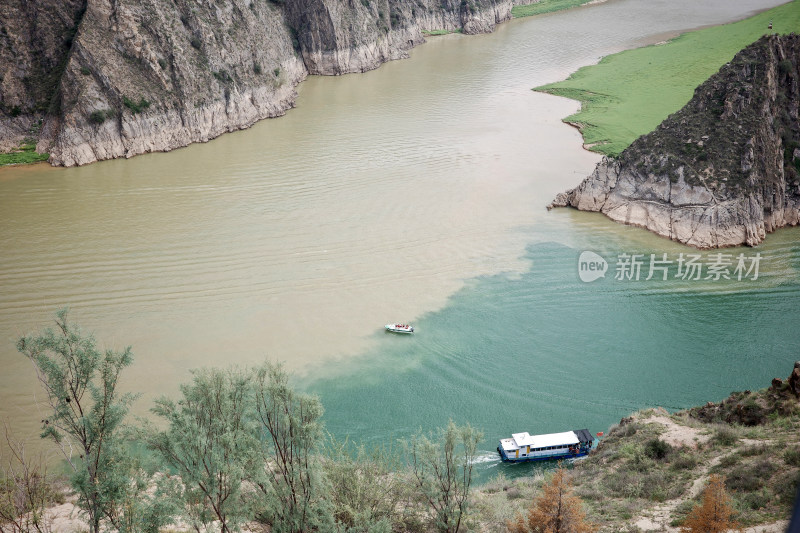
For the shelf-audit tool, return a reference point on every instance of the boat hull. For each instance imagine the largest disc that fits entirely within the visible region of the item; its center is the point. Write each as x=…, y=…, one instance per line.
x=555, y=457
x=393, y=329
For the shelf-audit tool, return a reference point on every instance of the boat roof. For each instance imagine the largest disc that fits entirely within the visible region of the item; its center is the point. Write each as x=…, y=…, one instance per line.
x=543, y=441
x=583, y=435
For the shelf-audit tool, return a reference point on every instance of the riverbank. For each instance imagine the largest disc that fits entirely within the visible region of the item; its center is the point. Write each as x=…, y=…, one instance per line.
x=723, y=170
x=647, y=474
x=650, y=469
x=105, y=127
x=548, y=6
x=629, y=94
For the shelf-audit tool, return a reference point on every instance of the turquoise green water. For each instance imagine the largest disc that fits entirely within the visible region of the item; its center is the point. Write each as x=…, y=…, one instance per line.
x=401, y=194
x=545, y=352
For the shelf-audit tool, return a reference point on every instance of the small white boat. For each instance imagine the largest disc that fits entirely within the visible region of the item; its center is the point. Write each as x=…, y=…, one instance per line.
x=399, y=328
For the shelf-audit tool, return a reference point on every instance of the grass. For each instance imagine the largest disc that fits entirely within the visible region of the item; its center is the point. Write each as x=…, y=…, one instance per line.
x=628, y=94
x=429, y=33
x=545, y=6
x=24, y=155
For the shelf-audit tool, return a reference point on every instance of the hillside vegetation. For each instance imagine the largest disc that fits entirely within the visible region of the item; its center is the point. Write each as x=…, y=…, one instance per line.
x=649, y=471
x=628, y=94
x=241, y=449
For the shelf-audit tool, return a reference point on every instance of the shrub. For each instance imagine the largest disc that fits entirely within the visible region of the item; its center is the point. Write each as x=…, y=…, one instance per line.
x=195, y=42
x=657, y=449
x=725, y=436
x=85, y=71
x=101, y=115
x=684, y=462
x=786, y=487
x=256, y=68
x=223, y=76
x=277, y=71
x=752, y=451
x=162, y=63
x=756, y=500
x=727, y=461
x=792, y=456
x=135, y=107
x=749, y=477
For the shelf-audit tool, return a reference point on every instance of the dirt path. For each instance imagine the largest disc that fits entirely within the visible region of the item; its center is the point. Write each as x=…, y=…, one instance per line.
x=659, y=517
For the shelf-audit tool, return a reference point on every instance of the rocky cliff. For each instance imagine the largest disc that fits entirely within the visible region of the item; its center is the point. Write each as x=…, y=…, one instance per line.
x=99, y=79
x=722, y=171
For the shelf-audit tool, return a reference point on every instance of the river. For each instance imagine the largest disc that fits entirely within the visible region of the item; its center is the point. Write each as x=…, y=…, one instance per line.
x=414, y=193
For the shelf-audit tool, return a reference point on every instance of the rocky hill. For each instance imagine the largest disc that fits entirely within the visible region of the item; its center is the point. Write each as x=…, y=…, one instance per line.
x=99, y=79
x=649, y=470
x=722, y=171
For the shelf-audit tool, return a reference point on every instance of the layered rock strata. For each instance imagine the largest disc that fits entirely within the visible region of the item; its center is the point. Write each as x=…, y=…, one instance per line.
x=722, y=171
x=99, y=79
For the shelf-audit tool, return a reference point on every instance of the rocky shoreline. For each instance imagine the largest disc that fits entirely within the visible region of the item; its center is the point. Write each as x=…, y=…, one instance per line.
x=118, y=78
x=724, y=170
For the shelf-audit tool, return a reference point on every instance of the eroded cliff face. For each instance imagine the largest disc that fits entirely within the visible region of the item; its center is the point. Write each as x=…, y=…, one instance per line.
x=722, y=171
x=35, y=40
x=125, y=77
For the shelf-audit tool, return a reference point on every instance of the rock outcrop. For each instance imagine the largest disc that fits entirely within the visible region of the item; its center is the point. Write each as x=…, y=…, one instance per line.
x=99, y=79
x=722, y=171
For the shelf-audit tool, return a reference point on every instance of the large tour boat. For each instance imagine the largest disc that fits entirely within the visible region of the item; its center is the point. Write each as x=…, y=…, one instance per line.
x=526, y=447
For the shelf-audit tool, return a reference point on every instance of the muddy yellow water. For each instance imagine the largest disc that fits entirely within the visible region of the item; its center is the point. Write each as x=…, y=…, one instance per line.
x=375, y=200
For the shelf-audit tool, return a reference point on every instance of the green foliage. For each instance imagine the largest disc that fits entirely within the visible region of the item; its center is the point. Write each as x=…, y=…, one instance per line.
x=24, y=155
x=256, y=68
x=363, y=487
x=787, y=486
x=545, y=6
x=85, y=71
x=222, y=76
x=290, y=480
x=792, y=456
x=628, y=94
x=210, y=442
x=749, y=477
x=433, y=33
x=441, y=469
x=162, y=63
x=725, y=436
x=657, y=449
x=150, y=500
x=196, y=44
x=101, y=115
x=134, y=106
x=684, y=461
x=87, y=411
x=277, y=71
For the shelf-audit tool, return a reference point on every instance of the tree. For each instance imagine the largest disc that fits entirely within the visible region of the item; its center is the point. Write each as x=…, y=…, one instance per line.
x=210, y=442
x=714, y=514
x=556, y=510
x=441, y=469
x=87, y=411
x=290, y=432
x=364, y=489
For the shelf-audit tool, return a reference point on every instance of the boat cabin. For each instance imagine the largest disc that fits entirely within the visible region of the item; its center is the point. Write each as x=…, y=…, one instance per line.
x=527, y=447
